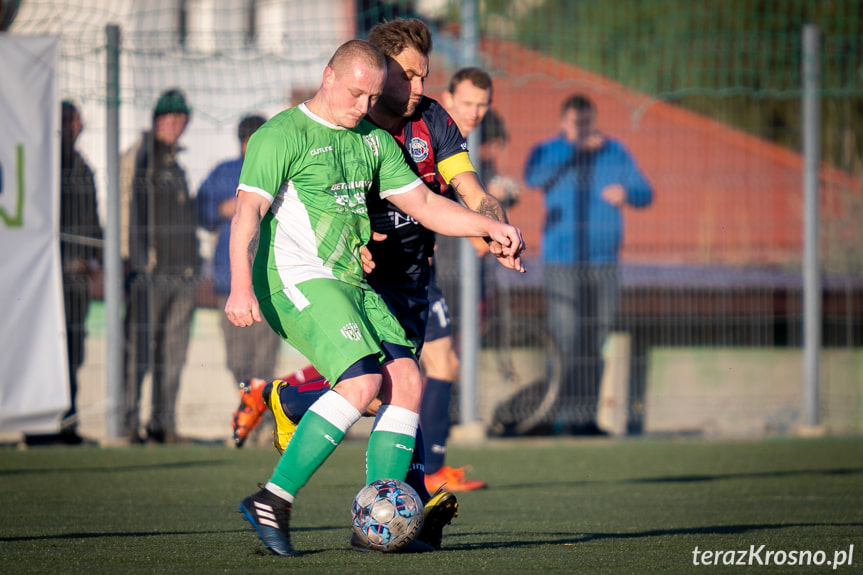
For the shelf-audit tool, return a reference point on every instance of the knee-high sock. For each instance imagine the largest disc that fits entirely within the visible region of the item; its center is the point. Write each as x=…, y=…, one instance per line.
x=318, y=434
x=391, y=443
x=436, y=423
x=416, y=476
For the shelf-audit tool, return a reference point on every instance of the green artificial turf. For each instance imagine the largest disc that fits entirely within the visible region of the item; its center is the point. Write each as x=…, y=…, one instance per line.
x=553, y=506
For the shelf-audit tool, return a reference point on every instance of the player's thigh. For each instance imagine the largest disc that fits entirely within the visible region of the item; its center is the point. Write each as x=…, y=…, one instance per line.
x=439, y=359
x=402, y=384
x=326, y=321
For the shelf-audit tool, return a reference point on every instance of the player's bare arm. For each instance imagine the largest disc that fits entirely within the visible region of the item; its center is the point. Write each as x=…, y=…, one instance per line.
x=241, y=307
x=469, y=189
x=450, y=218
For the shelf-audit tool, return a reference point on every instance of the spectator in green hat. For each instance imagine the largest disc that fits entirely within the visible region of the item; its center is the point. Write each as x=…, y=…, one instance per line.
x=163, y=270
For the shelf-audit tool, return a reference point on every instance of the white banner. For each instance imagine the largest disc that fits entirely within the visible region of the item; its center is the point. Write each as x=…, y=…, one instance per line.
x=34, y=381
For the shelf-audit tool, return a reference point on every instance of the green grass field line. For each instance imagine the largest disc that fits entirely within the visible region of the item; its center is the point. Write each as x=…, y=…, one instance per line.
x=553, y=506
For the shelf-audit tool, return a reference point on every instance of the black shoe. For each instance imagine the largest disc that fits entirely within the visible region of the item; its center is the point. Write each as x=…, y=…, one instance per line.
x=590, y=429
x=65, y=437
x=70, y=436
x=270, y=515
x=155, y=435
x=439, y=512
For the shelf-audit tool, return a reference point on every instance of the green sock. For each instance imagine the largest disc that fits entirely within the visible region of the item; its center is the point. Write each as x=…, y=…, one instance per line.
x=314, y=440
x=389, y=455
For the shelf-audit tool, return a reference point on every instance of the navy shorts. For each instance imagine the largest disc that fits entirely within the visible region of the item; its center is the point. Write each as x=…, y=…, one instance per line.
x=410, y=306
x=296, y=399
x=438, y=325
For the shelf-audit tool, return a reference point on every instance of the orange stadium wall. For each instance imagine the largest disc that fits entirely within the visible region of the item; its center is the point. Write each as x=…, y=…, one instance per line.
x=722, y=196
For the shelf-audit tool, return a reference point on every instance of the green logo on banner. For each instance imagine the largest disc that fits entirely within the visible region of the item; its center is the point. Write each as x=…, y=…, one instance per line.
x=15, y=220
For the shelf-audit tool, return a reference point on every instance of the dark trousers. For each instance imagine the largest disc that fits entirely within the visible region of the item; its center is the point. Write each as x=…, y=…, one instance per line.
x=76, y=299
x=251, y=351
x=581, y=307
x=158, y=326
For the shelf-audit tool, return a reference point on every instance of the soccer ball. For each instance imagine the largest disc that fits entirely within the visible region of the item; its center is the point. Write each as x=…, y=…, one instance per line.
x=387, y=514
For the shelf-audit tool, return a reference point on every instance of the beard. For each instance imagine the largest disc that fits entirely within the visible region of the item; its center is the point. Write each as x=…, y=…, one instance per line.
x=400, y=108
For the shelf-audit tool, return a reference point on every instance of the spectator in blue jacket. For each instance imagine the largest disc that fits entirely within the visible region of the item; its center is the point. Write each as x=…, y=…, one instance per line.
x=588, y=178
x=251, y=352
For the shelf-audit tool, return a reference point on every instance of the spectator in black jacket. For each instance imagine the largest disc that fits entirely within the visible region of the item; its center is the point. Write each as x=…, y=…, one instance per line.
x=80, y=251
x=163, y=271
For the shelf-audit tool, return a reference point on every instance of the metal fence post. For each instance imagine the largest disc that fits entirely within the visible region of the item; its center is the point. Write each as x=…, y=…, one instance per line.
x=811, y=272
x=468, y=262
x=112, y=260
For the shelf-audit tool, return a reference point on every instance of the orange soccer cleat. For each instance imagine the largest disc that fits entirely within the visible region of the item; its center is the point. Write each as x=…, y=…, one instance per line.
x=452, y=479
x=248, y=414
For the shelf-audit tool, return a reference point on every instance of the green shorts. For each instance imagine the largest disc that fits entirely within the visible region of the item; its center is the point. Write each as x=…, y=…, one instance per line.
x=332, y=323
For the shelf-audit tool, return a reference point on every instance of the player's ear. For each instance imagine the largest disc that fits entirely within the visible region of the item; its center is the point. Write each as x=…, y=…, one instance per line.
x=329, y=76
x=446, y=100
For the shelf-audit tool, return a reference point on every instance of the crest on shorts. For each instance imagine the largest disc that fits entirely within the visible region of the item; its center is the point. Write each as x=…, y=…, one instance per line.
x=351, y=331
x=419, y=149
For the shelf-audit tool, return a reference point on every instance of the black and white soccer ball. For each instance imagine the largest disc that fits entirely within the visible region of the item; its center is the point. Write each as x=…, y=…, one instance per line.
x=387, y=515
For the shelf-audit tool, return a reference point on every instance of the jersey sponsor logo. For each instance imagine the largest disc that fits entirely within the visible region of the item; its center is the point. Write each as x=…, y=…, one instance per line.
x=363, y=184
x=351, y=196
x=317, y=151
x=373, y=143
x=391, y=220
x=401, y=220
x=419, y=149
x=352, y=332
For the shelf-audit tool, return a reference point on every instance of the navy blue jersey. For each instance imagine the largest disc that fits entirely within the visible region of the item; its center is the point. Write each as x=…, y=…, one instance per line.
x=429, y=138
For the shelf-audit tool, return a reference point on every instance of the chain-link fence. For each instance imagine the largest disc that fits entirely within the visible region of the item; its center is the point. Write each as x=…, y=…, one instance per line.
x=704, y=332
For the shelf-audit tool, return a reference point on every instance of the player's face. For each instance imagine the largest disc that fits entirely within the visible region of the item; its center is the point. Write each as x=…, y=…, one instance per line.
x=352, y=92
x=405, y=83
x=468, y=105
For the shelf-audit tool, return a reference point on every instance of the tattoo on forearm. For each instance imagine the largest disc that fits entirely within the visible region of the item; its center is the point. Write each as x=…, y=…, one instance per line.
x=491, y=208
x=488, y=206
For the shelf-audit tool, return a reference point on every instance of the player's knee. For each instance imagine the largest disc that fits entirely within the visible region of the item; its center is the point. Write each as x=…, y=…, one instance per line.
x=361, y=382
x=402, y=384
x=360, y=391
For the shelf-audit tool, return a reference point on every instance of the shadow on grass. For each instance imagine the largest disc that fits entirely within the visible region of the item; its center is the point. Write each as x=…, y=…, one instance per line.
x=764, y=474
x=119, y=468
x=136, y=534
x=693, y=478
x=573, y=538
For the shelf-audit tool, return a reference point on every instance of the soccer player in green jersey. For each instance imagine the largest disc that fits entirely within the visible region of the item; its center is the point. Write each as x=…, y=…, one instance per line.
x=300, y=221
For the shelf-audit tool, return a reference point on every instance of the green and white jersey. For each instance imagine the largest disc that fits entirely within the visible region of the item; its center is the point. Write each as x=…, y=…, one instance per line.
x=317, y=176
